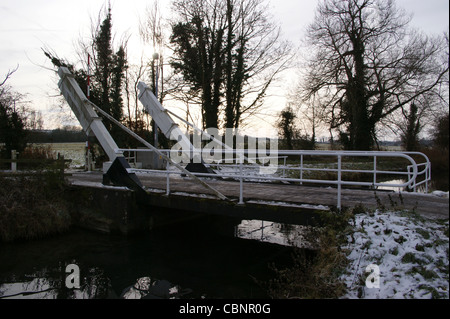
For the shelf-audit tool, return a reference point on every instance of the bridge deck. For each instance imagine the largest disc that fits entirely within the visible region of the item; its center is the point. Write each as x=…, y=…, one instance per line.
x=427, y=205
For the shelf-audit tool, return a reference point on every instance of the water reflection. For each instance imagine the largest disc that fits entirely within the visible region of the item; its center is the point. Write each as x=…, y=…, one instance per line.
x=51, y=284
x=96, y=285
x=186, y=262
x=275, y=233
x=38, y=288
x=145, y=288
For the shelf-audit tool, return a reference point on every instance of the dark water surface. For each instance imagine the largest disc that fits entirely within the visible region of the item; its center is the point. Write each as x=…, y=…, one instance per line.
x=191, y=256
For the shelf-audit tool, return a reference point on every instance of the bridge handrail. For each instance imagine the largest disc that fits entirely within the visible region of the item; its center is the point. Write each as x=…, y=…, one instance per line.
x=426, y=171
x=412, y=170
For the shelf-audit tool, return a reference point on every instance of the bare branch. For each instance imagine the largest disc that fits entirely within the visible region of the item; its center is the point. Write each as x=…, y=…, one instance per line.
x=8, y=75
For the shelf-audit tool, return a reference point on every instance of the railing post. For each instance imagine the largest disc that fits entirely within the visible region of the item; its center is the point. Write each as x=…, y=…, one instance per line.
x=409, y=176
x=241, y=182
x=14, y=161
x=374, y=171
x=339, y=182
x=301, y=169
x=168, y=179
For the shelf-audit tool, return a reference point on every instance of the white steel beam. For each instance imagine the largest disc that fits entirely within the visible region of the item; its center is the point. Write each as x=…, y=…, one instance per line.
x=163, y=120
x=82, y=108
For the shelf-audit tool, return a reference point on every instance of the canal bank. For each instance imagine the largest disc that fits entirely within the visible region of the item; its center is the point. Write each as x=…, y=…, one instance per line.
x=191, y=253
x=114, y=241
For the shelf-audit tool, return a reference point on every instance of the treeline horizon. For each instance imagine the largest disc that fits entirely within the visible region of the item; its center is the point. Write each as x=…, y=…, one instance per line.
x=77, y=135
x=58, y=135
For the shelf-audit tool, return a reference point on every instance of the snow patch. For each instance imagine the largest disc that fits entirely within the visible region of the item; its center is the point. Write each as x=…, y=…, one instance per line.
x=440, y=194
x=284, y=204
x=412, y=255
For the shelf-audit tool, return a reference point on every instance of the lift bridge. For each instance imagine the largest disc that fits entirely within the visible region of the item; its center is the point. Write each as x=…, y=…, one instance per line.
x=119, y=173
x=284, y=190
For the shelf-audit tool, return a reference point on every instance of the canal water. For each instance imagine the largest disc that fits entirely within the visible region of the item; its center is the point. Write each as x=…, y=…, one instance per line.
x=203, y=262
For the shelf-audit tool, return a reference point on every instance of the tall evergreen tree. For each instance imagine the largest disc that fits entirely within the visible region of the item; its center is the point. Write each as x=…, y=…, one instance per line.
x=410, y=134
x=108, y=78
x=104, y=61
x=286, y=127
x=109, y=74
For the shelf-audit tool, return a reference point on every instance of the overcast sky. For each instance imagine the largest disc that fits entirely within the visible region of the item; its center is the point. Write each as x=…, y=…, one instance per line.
x=28, y=25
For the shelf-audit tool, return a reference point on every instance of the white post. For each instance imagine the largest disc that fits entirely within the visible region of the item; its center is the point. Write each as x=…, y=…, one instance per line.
x=339, y=182
x=374, y=171
x=241, y=182
x=301, y=169
x=168, y=179
x=88, y=157
x=14, y=154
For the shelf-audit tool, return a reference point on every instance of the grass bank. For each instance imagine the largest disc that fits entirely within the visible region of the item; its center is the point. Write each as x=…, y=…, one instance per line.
x=33, y=206
x=410, y=253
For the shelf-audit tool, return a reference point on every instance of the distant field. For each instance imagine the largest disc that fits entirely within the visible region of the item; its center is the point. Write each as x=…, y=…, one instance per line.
x=389, y=148
x=76, y=151
x=72, y=151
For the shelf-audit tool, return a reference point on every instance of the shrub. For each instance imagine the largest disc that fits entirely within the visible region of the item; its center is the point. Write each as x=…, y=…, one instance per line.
x=315, y=274
x=32, y=207
x=439, y=159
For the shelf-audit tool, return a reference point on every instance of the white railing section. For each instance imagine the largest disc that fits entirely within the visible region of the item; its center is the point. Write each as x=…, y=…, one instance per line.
x=333, y=165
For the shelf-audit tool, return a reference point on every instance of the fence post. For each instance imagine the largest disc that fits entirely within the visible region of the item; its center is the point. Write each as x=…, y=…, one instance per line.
x=61, y=165
x=374, y=171
x=301, y=169
x=339, y=182
x=168, y=178
x=14, y=154
x=241, y=182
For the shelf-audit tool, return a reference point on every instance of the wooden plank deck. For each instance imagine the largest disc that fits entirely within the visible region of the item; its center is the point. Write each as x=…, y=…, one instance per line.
x=427, y=205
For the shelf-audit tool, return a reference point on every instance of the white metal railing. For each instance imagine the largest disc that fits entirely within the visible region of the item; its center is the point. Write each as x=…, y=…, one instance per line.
x=241, y=171
x=426, y=171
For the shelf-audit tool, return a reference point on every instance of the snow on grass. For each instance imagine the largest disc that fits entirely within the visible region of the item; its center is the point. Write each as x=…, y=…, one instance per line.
x=412, y=254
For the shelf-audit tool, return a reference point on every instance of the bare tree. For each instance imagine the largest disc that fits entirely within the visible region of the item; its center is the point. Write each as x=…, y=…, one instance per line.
x=230, y=53
x=368, y=66
x=136, y=118
x=8, y=75
x=151, y=30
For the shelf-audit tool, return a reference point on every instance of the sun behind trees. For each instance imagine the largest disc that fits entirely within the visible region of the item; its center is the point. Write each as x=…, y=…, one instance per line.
x=227, y=54
x=367, y=66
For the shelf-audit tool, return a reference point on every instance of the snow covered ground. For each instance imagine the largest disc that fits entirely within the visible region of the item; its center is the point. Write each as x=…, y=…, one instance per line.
x=398, y=255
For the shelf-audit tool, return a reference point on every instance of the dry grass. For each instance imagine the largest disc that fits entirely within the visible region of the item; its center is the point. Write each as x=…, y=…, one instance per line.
x=32, y=207
x=315, y=274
